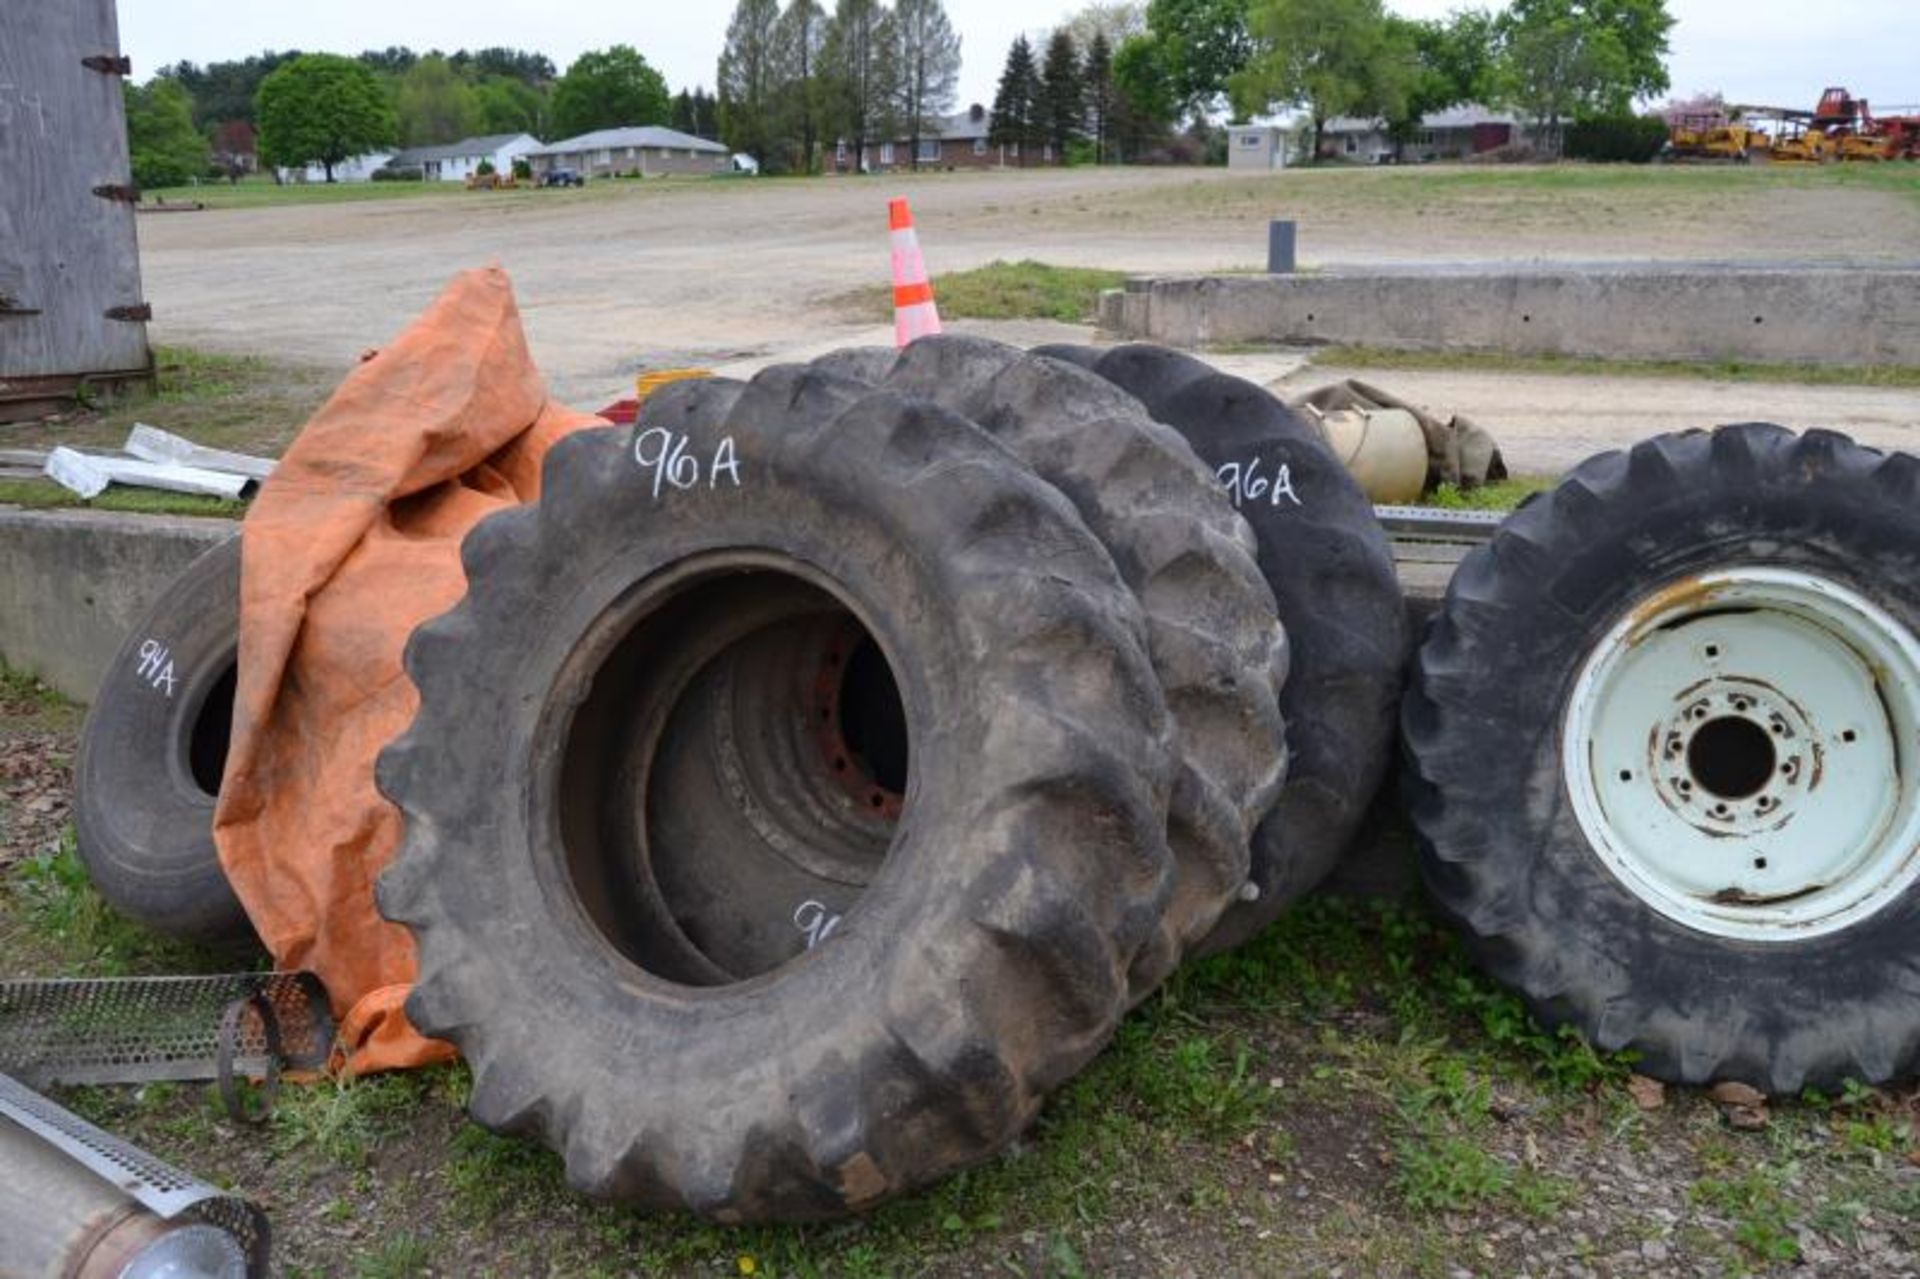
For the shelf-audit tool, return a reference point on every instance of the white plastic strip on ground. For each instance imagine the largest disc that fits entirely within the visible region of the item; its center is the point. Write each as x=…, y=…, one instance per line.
x=152, y=444
x=88, y=475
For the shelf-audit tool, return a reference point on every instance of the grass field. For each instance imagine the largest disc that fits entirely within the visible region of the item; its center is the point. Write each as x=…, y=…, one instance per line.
x=1520, y=189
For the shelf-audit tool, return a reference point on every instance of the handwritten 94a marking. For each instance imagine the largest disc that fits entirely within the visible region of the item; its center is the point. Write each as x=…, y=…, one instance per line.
x=1245, y=484
x=670, y=457
x=155, y=666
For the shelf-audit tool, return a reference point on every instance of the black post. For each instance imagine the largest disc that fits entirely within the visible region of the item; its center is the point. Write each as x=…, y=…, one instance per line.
x=1280, y=247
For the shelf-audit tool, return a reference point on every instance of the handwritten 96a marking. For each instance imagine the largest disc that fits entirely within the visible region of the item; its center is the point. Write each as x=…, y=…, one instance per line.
x=670, y=458
x=1245, y=484
x=155, y=666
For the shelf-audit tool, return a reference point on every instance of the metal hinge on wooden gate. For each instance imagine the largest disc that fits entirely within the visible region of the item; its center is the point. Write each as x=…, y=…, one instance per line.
x=141, y=312
x=125, y=192
x=109, y=64
x=8, y=307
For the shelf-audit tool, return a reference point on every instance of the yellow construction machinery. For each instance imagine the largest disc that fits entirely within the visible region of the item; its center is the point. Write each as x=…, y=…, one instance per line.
x=1712, y=136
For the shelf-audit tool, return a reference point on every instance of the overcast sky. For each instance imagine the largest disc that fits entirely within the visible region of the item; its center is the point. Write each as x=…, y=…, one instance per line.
x=1763, y=51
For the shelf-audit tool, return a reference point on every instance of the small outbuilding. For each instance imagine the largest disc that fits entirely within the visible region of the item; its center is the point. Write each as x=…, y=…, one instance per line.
x=1257, y=148
x=644, y=151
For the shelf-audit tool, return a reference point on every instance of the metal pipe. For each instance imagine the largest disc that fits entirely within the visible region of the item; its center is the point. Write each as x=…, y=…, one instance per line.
x=58, y=1220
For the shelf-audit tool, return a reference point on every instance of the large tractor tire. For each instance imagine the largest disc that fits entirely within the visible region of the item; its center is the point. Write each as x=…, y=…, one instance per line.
x=1217, y=646
x=1665, y=750
x=151, y=757
x=826, y=664
x=1330, y=567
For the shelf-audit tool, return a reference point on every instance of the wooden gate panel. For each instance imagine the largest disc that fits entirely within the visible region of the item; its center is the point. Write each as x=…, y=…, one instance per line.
x=67, y=256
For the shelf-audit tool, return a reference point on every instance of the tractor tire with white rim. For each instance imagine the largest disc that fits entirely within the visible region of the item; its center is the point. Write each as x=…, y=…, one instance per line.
x=1665, y=756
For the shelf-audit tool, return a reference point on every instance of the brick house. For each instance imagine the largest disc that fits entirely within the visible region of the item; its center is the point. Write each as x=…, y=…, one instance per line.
x=957, y=142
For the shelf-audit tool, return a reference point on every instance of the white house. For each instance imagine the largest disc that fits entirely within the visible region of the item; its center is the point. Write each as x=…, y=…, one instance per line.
x=1452, y=134
x=358, y=168
x=458, y=161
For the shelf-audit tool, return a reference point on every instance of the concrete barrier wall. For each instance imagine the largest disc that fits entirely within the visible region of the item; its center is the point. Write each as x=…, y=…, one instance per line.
x=73, y=583
x=1838, y=316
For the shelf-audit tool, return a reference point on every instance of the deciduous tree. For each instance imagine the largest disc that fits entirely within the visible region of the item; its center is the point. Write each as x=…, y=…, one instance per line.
x=609, y=89
x=802, y=35
x=858, y=69
x=1440, y=64
x=1326, y=57
x=1198, y=46
x=929, y=67
x=435, y=104
x=166, y=149
x=321, y=109
x=1567, y=58
x=1117, y=20
x=749, y=83
x=511, y=105
x=1102, y=94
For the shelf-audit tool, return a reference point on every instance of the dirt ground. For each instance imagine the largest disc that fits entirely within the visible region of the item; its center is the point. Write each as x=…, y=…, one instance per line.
x=625, y=276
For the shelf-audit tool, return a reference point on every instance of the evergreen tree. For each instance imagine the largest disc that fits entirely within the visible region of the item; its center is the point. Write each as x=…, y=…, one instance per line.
x=929, y=67
x=1062, y=114
x=802, y=36
x=1016, y=102
x=1101, y=94
x=748, y=78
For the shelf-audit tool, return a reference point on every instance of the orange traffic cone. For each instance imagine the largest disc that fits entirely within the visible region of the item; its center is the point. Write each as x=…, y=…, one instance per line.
x=914, y=314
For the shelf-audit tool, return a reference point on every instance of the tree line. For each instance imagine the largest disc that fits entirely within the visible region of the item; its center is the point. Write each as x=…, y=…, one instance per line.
x=317, y=108
x=1117, y=82
x=1551, y=61
x=793, y=79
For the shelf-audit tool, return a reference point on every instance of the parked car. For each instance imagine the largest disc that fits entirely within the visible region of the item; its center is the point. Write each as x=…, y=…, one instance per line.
x=563, y=178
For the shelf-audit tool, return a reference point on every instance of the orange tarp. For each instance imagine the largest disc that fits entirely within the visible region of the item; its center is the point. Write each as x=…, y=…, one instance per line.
x=352, y=543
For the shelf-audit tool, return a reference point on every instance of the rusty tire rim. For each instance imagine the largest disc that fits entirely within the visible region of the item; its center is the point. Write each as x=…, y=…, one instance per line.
x=1740, y=753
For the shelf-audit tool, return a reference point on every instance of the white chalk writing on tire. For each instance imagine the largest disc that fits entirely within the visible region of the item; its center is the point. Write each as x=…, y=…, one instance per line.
x=1245, y=484
x=674, y=464
x=813, y=919
x=156, y=665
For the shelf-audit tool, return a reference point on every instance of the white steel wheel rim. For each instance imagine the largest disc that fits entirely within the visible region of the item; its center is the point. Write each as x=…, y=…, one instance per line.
x=1740, y=753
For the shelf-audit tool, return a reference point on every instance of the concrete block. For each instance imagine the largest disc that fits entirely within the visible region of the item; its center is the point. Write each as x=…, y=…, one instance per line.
x=73, y=583
x=1795, y=316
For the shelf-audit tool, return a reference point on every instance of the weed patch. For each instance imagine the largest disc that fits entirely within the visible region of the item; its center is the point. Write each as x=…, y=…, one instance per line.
x=1006, y=291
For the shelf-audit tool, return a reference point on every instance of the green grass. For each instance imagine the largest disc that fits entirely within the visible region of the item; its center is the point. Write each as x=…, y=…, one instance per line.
x=1500, y=495
x=1007, y=291
x=27, y=702
x=1512, y=193
x=1368, y=357
x=67, y=922
x=261, y=192
x=45, y=495
x=1765, y=1220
